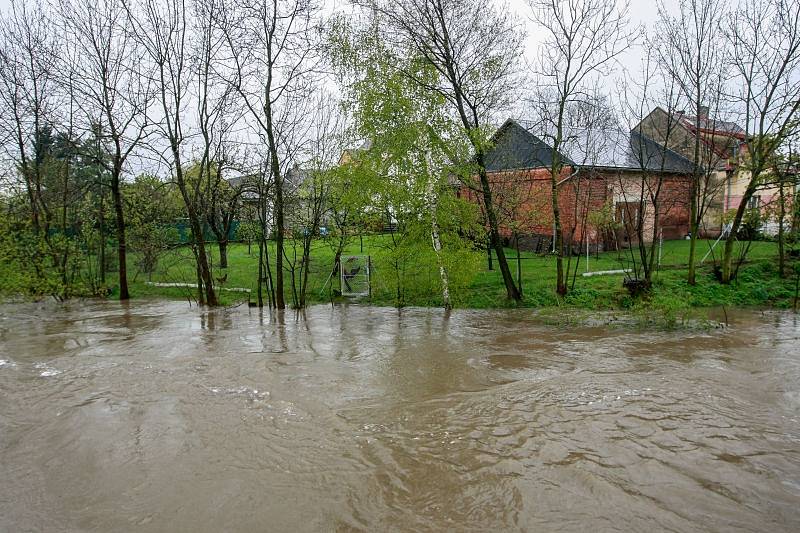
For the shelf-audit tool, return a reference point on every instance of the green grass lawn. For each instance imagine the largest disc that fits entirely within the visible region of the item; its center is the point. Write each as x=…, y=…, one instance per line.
x=758, y=283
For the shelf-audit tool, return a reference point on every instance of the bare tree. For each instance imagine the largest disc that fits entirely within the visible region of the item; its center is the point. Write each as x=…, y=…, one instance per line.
x=222, y=204
x=474, y=47
x=258, y=188
x=327, y=137
x=216, y=117
x=690, y=48
x=271, y=49
x=591, y=130
x=28, y=62
x=765, y=38
x=582, y=39
x=649, y=106
x=161, y=28
x=111, y=77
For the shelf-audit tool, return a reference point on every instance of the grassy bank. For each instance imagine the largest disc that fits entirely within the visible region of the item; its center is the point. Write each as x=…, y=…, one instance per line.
x=758, y=283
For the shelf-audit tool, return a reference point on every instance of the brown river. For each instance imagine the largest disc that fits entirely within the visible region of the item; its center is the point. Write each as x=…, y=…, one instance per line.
x=155, y=416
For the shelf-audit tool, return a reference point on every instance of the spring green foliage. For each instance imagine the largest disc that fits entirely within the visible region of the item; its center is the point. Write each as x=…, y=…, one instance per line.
x=151, y=211
x=50, y=257
x=405, y=175
x=248, y=231
x=20, y=266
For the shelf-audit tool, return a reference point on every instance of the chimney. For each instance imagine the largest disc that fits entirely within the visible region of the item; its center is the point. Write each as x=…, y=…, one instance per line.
x=703, y=111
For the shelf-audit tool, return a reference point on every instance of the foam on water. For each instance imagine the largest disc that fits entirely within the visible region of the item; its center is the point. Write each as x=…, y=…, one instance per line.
x=47, y=371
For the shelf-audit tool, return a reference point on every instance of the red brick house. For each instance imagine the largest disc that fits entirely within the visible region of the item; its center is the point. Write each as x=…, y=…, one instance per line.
x=605, y=191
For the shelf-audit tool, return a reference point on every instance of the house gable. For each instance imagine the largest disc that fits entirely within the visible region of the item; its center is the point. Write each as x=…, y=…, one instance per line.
x=678, y=133
x=514, y=147
x=667, y=131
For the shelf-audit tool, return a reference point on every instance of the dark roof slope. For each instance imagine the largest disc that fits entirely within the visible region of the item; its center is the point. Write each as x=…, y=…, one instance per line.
x=516, y=147
x=645, y=153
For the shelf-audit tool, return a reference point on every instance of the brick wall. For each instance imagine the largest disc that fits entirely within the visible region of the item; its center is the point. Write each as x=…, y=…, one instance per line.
x=522, y=199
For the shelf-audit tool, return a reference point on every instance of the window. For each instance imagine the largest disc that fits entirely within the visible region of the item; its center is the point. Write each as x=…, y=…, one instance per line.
x=754, y=203
x=628, y=213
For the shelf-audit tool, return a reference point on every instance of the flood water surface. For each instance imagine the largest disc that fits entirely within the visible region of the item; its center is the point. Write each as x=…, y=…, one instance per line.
x=155, y=416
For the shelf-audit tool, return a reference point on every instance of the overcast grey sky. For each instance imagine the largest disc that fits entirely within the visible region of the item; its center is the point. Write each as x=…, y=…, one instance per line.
x=641, y=12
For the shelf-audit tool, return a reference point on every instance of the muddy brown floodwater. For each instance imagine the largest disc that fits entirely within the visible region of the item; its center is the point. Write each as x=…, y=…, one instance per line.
x=155, y=416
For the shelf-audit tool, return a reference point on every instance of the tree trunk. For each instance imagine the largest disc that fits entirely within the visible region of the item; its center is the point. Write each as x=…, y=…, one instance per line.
x=693, y=227
x=728, y=273
x=268, y=272
x=305, y=264
x=223, y=253
x=795, y=209
x=512, y=293
x=201, y=299
x=437, y=244
x=437, y=247
x=561, y=284
x=781, y=232
x=202, y=257
x=656, y=242
x=102, y=240
x=259, y=290
x=121, y=249
x=280, y=303
x=519, y=265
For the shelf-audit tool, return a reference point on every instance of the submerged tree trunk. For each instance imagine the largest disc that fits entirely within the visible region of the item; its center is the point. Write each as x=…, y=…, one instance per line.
x=201, y=299
x=305, y=265
x=268, y=277
x=260, y=287
x=201, y=256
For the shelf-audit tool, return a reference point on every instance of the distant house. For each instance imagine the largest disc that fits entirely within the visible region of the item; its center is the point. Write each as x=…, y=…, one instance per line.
x=247, y=184
x=252, y=184
x=296, y=203
x=723, y=147
x=604, y=174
